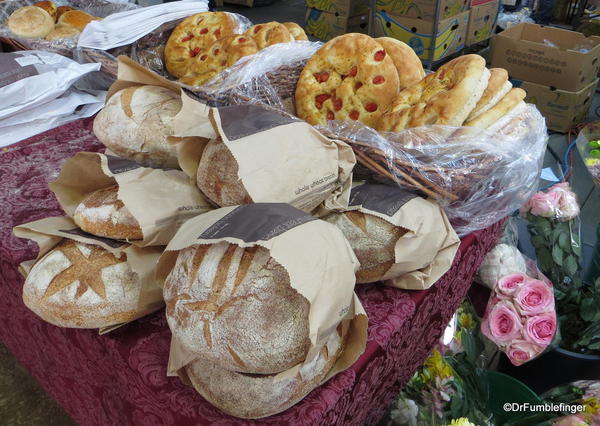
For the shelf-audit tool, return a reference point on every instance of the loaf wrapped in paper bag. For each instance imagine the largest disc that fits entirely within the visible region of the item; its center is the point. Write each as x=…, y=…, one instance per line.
x=398, y=237
x=117, y=198
x=79, y=280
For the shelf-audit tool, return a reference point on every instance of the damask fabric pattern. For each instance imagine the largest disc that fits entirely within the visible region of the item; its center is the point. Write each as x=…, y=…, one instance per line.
x=120, y=378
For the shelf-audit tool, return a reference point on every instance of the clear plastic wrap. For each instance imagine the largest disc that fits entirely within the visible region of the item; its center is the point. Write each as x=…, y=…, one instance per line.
x=100, y=8
x=510, y=19
x=588, y=144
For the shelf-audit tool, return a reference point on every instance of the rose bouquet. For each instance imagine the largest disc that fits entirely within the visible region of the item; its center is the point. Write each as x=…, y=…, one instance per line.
x=520, y=316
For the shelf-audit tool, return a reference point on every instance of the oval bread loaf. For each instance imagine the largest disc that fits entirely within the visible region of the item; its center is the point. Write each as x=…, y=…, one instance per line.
x=235, y=307
x=82, y=286
x=102, y=213
x=76, y=18
x=30, y=22
x=136, y=122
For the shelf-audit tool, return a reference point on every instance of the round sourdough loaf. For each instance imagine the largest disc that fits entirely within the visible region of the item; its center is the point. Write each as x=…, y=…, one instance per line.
x=82, y=286
x=217, y=176
x=76, y=18
x=136, y=122
x=372, y=239
x=61, y=10
x=49, y=7
x=30, y=22
x=252, y=396
x=235, y=307
x=102, y=213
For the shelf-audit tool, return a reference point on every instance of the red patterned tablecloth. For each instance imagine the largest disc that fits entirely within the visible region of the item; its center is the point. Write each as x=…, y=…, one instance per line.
x=121, y=379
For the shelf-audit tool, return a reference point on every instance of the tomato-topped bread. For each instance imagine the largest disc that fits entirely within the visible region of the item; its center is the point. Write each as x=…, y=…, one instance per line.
x=296, y=31
x=498, y=86
x=193, y=35
x=350, y=78
x=445, y=97
x=269, y=33
x=221, y=54
x=408, y=64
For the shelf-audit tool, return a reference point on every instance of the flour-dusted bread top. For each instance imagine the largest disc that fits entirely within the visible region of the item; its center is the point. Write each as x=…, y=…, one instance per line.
x=136, y=122
x=253, y=396
x=235, y=307
x=102, y=213
x=372, y=239
x=409, y=66
x=351, y=77
x=445, y=97
x=82, y=286
x=30, y=22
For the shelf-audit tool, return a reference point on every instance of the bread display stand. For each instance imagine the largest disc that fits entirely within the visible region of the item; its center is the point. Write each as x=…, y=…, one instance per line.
x=121, y=378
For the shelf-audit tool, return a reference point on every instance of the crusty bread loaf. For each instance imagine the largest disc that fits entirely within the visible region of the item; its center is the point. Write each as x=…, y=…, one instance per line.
x=235, y=307
x=269, y=33
x=102, y=213
x=409, y=66
x=498, y=86
x=217, y=176
x=62, y=31
x=49, y=7
x=30, y=22
x=82, y=286
x=252, y=396
x=372, y=239
x=62, y=9
x=296, y=31
x=76, y=18
x=136, y=122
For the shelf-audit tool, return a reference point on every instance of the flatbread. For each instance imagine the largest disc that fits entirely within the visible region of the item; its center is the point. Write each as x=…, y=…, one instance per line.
x=513, y=98
x=445, y=97
x=296, y=31
x=268, y=34
x=497, y=87
x=351, y=77
x=409, y=66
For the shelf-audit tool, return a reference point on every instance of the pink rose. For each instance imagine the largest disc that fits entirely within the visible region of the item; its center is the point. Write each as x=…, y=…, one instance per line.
x=534, y=297
x=540, y=329
x=521, y=351
x=567, y=207
x=542, y=204
x=503, y=323
x=508, y=284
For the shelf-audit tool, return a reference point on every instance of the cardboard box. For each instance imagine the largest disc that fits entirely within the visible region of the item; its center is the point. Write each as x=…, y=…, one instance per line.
x=482, y=20
x=561, y=108
x=342, y=7
x=422, y=9
x=325, y=25
x=418, y=33
x=522, y=51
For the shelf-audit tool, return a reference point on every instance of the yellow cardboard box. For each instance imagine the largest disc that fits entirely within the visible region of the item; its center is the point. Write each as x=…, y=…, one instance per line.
x=482, y=21
x=342, y=7
x=418, y=33
x=561, y=108
x=423, y=9
x=325, y=25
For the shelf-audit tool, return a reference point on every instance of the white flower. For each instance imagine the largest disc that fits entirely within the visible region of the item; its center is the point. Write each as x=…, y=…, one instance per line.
x=405, y=413
x=502, y=260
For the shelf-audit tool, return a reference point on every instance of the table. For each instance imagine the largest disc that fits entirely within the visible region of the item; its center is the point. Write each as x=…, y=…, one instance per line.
x=121, y=379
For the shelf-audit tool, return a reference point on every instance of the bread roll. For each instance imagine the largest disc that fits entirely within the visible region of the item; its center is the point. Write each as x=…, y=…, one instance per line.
x=235, y=307
x=102, y=213
x=30, y=22
x=217, y=176
x=256, y=396
x=49, y=7
x=76, y=18
x=62, y=10
x=82, y=286
x=373, y=240
x=62, y=31
x=136, y=122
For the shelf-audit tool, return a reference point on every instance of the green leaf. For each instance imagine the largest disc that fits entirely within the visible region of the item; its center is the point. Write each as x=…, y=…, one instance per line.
x=576, y=249
x=538, y=241
x=564, y=241
x=545, y=259
x=557, y=255
x=588, y=309
x=570, y=265
x=545, y=229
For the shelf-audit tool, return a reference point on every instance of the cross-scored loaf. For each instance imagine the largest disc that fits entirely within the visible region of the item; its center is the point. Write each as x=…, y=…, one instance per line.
x=82, y=286
x=269, y=33
x=350, y=78
x=236, y=308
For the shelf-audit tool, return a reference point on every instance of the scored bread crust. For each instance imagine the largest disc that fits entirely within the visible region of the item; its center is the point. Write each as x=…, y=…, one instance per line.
x=76, y=18
x=409, y=66
x=268, y=34
x=351, y=77
x=193, y=35
x=102, y=213
x=296, y=31
x=445, y=97
x=30, y=22
x=257, y=396
x=136, y=122
x=373, y=241
x=217, y=176
x=62, y=31
x=82, y=286
x=220, y=55
x=235, y=307
x=49, y=7
x=513, y=98
x=498, y=86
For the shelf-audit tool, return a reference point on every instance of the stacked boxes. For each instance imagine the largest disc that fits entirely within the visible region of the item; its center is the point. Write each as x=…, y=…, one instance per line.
x=326, y=19
x=556, y=67
x=482, y=21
